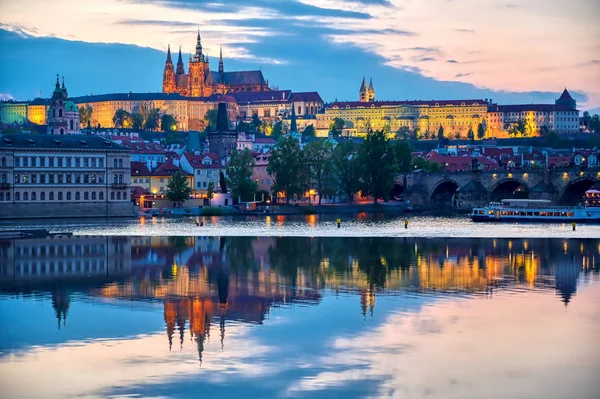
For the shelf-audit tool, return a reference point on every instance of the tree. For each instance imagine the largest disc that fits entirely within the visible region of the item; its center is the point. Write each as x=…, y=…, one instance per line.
x=256, y=122
x=120, y=117
x=178, y=189
x=286, y=167
x=416, y=134
x=210, y=118
x=152, y=119
x=222, y=182
x=137, y=121
x=336, y=127
x=517, y=129
x=239, y=175
x=318, y=154
x=440, y=134
x=403, y=133
x=168, y=123
x=210, y=191
x=403, y=154
x=586, y=118
x=427, y=166
x=277, y=130
x=480, y=131
x=471, y=134
x=594, y=124
x=243, y=127
x=457, y=136
x=309, y=132
x=346, y=168
x=379, y=166
x=85, y=115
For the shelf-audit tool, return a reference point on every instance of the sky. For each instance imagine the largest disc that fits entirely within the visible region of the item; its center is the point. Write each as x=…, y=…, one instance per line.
x=512, y=51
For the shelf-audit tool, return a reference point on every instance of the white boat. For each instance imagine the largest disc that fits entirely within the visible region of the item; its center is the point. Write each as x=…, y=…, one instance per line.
x=526, y=210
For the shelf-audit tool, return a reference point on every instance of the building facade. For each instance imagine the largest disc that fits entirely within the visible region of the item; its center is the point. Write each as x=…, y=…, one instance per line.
x=68, y=176
x=14, y=112
x=200, y=81
x=63, y=115
x=205, y=168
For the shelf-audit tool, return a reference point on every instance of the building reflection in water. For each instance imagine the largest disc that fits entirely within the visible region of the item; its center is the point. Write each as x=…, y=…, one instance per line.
x=204, y=282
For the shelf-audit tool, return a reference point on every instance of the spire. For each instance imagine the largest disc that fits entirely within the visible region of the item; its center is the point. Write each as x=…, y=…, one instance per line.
x=180, y=70
x=198, y=55
x=63, y=83
x=169, y=55
x=363, y=87
x=222, y=118
x=371, y=84
x=293, y=124
x=221, y=59
x=57, y=83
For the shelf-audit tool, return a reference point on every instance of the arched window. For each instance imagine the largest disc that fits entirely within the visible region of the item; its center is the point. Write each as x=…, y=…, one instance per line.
x=60, y=196
x=112, y=195
x=61, y=131
x=101, y=196
x=60, y=113
x=1, y=196
x=51, y=196
x=17, y=196
x=68, y=196
x=115, y=178
x=119, y=195
x=120, y=163
x=93, y=195
x=8, y=196
x=77, y=196
x=42, y=196
x=33, y=196
x=25, y=196
x=3, y=161
x=115, y=162
x=86, y=196
x=3, y=178
x=71, y=124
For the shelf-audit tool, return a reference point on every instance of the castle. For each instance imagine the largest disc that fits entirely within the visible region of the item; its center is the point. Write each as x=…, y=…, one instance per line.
x=200, y=81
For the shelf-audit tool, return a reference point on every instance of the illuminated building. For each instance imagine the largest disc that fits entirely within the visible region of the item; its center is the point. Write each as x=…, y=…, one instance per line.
x=155, y=181
x=63, y=115
x=204, y=168
x=13, y=112
x=200, y=81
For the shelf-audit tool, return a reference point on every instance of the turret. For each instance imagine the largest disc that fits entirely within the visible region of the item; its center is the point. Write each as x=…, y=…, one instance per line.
x=180, y=69
x=169, y=85
x=371, y=91
x=198, y=56
x=363, y=94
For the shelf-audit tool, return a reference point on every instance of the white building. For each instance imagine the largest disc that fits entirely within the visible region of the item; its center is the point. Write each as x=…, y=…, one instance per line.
x=204, y=167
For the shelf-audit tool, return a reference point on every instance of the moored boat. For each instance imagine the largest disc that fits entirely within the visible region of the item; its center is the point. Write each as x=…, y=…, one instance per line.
x=526, y=210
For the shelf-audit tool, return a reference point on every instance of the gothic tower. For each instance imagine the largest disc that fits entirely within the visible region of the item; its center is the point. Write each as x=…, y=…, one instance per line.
x=197, y=72
x=169, y=75
x=363, y=94
x=371, y=92
x=180, y=70
x=221, y=69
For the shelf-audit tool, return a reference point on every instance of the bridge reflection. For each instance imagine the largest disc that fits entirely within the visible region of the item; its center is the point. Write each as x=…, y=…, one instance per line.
x=202, y=281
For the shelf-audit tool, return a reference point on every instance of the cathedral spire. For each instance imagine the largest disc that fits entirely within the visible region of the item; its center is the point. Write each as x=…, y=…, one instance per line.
x=198, y=55
x=169, y=55
x=371, y=84
x=180, y=70
x=221, y=60
x=57, y=87
x=293, y=123
x=363, y=87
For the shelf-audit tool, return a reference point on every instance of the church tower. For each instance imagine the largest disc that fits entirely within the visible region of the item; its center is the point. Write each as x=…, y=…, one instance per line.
x=180, y=70
x=371, y=91
x=221, y=69
x=363, y=93
x=197, y=72
x=169, y=75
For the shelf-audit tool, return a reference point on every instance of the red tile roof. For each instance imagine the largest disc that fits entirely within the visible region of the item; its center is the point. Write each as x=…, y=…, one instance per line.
x=196, y=160
x=306, y=96
x=138, y=169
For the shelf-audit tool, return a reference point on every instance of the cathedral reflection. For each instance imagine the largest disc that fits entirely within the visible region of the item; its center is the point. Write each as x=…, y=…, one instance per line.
x=205, y=282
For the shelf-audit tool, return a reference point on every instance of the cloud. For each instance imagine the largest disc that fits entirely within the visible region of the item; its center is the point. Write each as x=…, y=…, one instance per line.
x=6, y=96
x=427, y=59
x=452, y=61
x=464, y=30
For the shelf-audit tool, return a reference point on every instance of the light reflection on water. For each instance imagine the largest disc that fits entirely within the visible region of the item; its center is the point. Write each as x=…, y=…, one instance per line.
x=359, y=225
x=299, y=317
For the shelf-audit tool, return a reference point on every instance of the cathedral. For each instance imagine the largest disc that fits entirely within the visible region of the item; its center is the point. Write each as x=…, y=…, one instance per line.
x=63, y=115
x=366, y=95
x=200, y=81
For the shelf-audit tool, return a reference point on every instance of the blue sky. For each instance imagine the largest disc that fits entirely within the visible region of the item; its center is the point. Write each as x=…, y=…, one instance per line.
x=520, y=51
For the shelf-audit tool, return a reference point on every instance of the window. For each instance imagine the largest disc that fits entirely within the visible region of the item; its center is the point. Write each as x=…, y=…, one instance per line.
x=114, y=163
x=60, y=162
x=86, y=178
x=101, y=196
x=17, y=196
x=93, y=179
x=119, y=195
x=101, y=162
x=33, y=162
x=33, y=196
x=42, y=196
x=3, y=178
x=51, y=196
x=112, y=195
x=51, y=161
x=42, y=161
x=17, y=178
x=93, y=195
x=77, y=196
x=69, y=178
x=101, y=179
x=71, y=124
x=51, y=178
x=77, y=178
x=120, y=163
x=69, y=160
x=8, y=196
x=25, y=196
x=120, y=178
x=34, y=177
x=60, y=177
x=25, y=178
x=60, y=114
x=115, y=179
x=86, y=162
x=77, y=162
x=1, y=196
x=86, y=196
x=3, y=161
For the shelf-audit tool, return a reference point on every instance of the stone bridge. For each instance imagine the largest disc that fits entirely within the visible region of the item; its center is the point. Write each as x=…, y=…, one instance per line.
x=464, y=190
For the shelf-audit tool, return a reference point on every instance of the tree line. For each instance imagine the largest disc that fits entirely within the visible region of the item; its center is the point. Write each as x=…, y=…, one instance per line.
x=144, y=118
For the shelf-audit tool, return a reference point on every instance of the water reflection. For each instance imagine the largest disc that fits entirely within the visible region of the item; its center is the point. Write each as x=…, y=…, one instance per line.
x=225, y=287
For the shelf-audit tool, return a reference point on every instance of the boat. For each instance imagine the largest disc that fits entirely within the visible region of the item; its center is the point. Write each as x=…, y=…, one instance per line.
x=527, y=210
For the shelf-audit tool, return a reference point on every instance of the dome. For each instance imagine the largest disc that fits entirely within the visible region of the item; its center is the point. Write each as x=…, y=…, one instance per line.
x=70, y=106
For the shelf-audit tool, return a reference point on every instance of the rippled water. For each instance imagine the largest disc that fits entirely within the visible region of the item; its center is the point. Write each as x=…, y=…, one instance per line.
x=361, y=225
x=230, y=317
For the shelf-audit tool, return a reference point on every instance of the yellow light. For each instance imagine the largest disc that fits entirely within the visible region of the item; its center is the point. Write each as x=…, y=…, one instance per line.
x=510, y=175
x=495, y=175
x=525, y=175
x=580, y=173
x=566, y=175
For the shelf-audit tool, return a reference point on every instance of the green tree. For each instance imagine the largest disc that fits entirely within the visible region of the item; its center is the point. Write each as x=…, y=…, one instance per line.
x=210, y=118
x=210, y=191
x=85, y=115
x=318, y=156
x=137, y=121
x=178, y=189
x=480, y=131
x=346, y=168
x=336, y=127
x=222, y=182
x=152, y=119
x=403, y=133
x=440, y=134
x=243, y=127
x=239, y=175
x=517, y=129
x=594, y=124
x=403, y=154
x=256, y=122
x=471, y=134
x=286, y=167
x=309, y=132
x=427, y=166
x=120, y=118
x=457, y=136
x=168, y=123
x=379, y=166
x=277, y=130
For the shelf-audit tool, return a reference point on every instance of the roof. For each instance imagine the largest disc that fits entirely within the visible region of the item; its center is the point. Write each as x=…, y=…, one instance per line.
x=262, y=96
x=138, y=147
x=70, y=106
x=565, y=96
x=127, y=97
x=167, y=169
x=265, y=140
x=530, y=107
x=220, y=98
x=138, y=169
x=195, y=160
x=40, y=101
x=309, y=96
x=432, y=103
x=237, y=78
x=53, y=141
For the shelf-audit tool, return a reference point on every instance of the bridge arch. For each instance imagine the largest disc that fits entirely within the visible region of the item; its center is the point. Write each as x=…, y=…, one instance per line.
x=443, y=193
x=509, y=188
x=574, y=190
